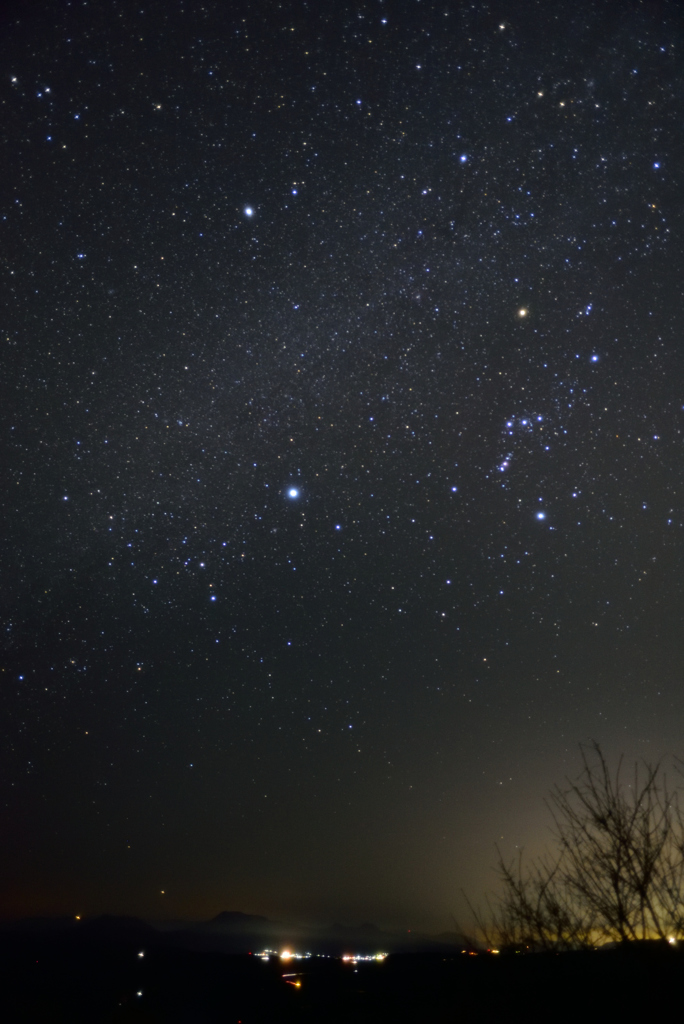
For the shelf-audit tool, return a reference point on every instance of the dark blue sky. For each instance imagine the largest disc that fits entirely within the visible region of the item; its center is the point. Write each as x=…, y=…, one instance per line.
x=342, y=405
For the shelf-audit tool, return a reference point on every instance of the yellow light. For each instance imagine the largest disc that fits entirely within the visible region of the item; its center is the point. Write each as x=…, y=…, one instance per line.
x=286, y=955
x=522, y=313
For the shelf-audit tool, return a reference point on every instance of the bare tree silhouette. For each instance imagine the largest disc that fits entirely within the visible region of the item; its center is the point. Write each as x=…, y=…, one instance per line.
x=616, y=872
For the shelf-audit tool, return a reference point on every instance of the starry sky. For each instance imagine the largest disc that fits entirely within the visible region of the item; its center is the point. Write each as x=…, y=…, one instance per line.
x=341, y=413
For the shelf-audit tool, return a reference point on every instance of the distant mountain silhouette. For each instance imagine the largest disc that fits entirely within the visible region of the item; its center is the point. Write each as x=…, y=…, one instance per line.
x=366, y=929
x=233, y=931
x=118, y=927
x=236, y=919
x=42, y=924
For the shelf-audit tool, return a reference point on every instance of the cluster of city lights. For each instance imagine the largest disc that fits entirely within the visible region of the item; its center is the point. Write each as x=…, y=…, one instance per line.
x=357, y=958
x=288, y=954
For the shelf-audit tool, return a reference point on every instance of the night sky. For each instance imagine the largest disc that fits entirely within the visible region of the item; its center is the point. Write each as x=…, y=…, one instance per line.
x=341, y=407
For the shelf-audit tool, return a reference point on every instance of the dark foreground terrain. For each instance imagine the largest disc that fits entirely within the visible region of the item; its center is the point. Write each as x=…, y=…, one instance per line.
x=74, y=977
